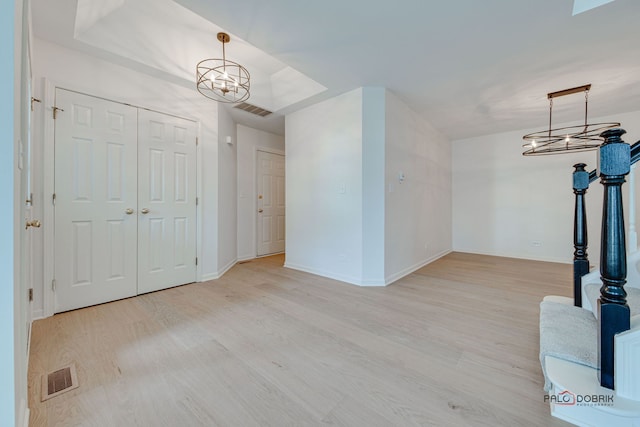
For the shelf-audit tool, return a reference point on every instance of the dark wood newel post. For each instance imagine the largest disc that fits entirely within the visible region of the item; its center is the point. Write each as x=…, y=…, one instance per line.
x=614, y=162
x=580, y=257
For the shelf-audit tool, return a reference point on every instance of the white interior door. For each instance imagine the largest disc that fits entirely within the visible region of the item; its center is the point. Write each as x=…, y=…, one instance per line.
x=166, y=201
x=95, y=205
x=271, y=203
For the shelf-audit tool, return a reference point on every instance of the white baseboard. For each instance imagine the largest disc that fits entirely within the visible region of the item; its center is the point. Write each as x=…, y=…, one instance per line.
x=325, y=273
x=37, y=314
x=23, y=416
x=268, y=255
x=372, y=283
x=25, y=413
x=359, y=282
x=400, y=274
x=515, y=255
x=227, y=267
x=210, y=276
x=219, y=273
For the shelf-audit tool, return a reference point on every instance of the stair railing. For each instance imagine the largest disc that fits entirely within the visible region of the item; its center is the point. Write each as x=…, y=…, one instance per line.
x=632, y=244
x=614, y=163
x=580, y=256
x=581, y=263
x=615, y=159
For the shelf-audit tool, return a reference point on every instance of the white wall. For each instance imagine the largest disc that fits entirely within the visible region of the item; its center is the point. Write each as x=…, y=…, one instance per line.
x=506, y=204
x=9, y=84
x=418, y=209
x=78, y=71
x=22, y=105
x=249, y=140
x=348, y=216
x=373, y=182
x=14, y=105
x=324, y=188
x=227, y=193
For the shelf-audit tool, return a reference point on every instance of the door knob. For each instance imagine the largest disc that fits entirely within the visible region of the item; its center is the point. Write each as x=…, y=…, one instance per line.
x=144, y=211
x=260, y=210
x=128, y=211
x=33, y=223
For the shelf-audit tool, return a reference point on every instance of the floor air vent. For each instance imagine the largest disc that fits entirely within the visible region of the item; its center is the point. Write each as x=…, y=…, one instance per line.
x=253, y=109
x=59, y=381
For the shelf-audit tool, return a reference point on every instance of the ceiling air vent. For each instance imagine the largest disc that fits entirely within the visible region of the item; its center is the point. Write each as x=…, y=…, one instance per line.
x=253, y=109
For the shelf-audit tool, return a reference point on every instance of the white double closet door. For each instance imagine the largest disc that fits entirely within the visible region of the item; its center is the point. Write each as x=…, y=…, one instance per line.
x=125, y=201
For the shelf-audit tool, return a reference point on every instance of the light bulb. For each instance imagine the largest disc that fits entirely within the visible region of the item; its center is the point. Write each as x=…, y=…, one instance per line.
x=225, y=75
x=534, y=144
x=567, y=139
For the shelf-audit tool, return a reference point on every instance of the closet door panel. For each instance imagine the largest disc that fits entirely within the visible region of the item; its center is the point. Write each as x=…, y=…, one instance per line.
x=167, y=201
x=95, y=205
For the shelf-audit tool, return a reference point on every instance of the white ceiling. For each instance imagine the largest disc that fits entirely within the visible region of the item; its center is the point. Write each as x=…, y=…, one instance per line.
x=469, y=67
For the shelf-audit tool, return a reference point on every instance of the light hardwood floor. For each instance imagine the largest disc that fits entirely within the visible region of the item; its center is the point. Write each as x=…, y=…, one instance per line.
x=453, y=344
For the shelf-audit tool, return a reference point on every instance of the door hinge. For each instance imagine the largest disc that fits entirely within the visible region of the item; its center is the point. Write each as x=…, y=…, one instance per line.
x=30, y=294
x=34, y=100
x=196, y=140
x=55, y=112
x=53, y=199
x=53, y=285
x=196, y=260
x=197, y=201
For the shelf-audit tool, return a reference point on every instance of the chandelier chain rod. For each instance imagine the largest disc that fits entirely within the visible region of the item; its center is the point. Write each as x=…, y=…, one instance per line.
x=224, y=58
x=586, y=106
x=550, y=114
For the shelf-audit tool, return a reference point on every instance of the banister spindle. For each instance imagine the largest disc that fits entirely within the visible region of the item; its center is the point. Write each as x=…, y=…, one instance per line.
x=632, y=244
x=580, y=257
x=614, y=161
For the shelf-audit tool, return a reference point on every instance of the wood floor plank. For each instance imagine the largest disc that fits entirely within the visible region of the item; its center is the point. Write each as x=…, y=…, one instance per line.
x=454, y=343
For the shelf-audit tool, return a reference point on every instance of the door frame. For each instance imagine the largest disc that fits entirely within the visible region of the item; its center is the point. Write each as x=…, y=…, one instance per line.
x=26, y=161
x=49, y=91
x=255, y=193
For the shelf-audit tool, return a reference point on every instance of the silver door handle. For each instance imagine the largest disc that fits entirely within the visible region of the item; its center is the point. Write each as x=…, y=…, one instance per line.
x=144, y=211
x=128, y=211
